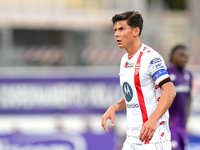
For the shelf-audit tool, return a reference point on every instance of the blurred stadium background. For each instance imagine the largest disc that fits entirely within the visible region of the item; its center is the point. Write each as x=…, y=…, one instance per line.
x=59, y=65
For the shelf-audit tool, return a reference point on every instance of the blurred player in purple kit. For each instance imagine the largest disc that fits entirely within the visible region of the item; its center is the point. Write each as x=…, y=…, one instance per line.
x=180, y=108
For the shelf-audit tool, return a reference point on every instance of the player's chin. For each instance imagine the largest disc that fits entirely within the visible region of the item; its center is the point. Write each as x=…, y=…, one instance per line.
x=182, y=65
x=120, y=46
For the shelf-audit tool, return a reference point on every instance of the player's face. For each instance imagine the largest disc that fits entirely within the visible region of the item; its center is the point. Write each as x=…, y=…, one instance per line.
x=180, y=58
x=124, y=34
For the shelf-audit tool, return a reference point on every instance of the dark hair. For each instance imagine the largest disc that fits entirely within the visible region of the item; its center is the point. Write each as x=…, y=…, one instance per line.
x=134, y=19
x=175, y=48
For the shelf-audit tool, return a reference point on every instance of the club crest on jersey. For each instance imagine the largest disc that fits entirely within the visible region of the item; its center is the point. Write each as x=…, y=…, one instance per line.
x=128, y=92
x=172, y=77
x=137, y=67
x=155, y=60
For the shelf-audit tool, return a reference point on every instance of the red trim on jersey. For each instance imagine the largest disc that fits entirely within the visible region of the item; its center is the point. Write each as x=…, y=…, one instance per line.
x=130, y=57
x=139, y=89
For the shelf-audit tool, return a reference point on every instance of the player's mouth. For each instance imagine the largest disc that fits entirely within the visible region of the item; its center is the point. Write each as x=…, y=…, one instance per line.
x=119, y=41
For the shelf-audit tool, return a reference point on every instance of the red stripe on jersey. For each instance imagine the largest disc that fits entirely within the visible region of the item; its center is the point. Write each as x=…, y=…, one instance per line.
x=139, y=89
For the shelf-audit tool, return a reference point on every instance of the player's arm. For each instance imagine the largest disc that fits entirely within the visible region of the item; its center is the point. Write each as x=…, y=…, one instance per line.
x=165, y=102
x=110, y=113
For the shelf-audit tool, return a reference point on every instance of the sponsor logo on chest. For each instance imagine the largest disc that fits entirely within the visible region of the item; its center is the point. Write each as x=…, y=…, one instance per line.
x=129, y=65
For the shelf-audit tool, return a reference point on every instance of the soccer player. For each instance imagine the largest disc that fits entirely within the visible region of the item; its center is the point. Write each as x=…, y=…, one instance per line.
x=180, y=108
x=146, y=85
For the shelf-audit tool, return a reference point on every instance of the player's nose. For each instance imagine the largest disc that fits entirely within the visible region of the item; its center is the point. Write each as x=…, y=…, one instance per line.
x=116, y=34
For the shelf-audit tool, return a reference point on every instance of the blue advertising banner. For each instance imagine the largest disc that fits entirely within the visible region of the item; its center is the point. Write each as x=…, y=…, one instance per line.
x=58, y=95
x=194, y=142
x=57, y=141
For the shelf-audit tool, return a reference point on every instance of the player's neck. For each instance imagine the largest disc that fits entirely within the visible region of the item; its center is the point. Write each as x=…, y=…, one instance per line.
x=180, y=69
x=134, y=48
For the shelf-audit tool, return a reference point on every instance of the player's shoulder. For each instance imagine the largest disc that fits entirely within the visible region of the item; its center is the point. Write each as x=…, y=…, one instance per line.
x=152, y=55
x=147, y=50
x=188, y=72
x=171, y=69
x=170, y=66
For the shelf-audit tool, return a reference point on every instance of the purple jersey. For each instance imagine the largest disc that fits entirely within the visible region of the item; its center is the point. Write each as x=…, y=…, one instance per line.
x=182, y=81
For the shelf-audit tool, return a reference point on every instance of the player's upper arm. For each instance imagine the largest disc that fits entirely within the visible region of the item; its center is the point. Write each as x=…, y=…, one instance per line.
x=169, y=88
x=164, y=81
x=158, y=70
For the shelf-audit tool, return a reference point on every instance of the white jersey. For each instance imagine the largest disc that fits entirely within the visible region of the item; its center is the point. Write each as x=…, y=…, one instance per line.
x=139, y=79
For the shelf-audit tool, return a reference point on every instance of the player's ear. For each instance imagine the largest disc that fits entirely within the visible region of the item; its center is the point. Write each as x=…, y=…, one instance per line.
x=136, y=31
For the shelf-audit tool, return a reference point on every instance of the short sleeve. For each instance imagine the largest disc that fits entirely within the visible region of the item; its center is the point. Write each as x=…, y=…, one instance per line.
x=158, y=70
